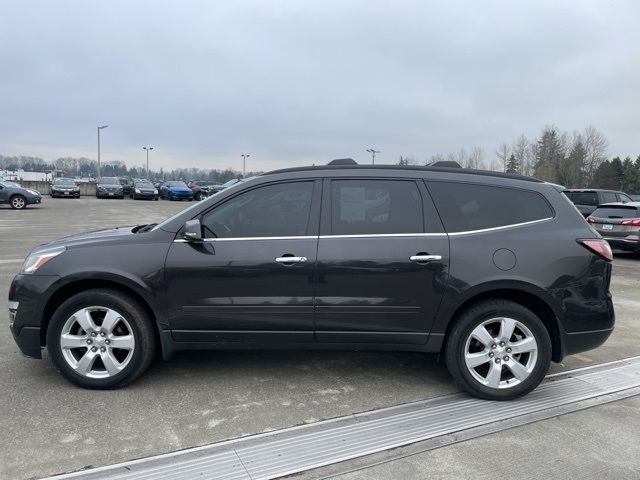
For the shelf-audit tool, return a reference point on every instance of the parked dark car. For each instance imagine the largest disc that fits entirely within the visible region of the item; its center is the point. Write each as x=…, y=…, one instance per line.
x=204, y=188
x=127, y=185
x=619, y=224
x=64, y=187
x=143, y=189
x=586, y=200
x=16, y=196
x=109, y=187
x=175, y=190
x=497, y=272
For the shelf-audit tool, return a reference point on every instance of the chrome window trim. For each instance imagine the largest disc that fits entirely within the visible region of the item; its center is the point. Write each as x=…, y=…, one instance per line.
x=374, y=235
x=502, y=227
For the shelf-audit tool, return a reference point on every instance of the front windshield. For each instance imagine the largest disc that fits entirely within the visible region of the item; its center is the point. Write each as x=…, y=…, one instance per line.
x=176, y=184
x=109, y=181
x=144, y=185
x=195, y=206
x=67, y=182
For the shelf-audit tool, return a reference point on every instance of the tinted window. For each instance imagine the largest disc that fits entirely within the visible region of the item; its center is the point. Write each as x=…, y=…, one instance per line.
x=360, y=207
x=280, y=210
x=585, y=198
x=615, y=212
x=466, y=207
x=608, y=197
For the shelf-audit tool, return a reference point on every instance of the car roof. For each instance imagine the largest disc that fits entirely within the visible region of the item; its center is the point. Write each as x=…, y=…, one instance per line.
x=460, y=171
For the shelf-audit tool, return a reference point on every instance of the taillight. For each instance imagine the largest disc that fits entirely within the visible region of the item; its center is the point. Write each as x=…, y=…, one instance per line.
x=598, y=246
x=632, y=223
x=590, y=219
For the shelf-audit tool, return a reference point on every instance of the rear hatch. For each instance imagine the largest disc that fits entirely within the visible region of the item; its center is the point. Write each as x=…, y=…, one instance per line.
x=615, y=221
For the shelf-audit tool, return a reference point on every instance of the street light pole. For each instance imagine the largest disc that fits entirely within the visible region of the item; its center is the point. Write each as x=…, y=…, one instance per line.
x=244, y=163
x=373, y=155
x=99, y=128
x=147, y=149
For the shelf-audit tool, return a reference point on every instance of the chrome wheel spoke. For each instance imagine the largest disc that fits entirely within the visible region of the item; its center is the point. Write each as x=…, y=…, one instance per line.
x=110, y=363
x=525, y=345
x=85, y=364
x=73, y=341
x=474, y=360
x=126, y=342
x=111, y=319
x=507, y=326
x=519, y=371
x=493, y=377
x=481, y=334
x=85, y=320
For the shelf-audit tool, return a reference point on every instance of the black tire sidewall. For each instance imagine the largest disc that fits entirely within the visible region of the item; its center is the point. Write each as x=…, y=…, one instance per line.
x=469, y=320
x=130, y=310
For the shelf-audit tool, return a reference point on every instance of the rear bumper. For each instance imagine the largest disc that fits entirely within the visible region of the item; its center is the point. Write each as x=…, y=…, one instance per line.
x=576, y=342
x=624, y=243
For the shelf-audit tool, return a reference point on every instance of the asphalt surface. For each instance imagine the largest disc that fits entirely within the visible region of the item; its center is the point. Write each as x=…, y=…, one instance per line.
x=49, y=426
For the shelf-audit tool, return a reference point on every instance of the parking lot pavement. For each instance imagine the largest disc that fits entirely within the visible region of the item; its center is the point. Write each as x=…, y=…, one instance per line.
x=48, y=426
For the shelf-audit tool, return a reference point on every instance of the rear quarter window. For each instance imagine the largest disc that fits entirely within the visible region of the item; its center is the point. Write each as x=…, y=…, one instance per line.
x=467, y=207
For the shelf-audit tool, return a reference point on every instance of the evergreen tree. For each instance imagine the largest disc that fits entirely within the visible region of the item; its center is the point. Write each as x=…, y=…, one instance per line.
x=512, y=165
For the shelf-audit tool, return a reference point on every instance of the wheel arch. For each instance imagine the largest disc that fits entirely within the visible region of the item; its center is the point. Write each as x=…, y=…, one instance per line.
x=68, y=290
x=528, y=299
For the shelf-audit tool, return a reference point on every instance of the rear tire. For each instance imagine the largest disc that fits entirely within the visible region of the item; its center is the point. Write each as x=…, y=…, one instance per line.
x=498, y=350
x=101, y=319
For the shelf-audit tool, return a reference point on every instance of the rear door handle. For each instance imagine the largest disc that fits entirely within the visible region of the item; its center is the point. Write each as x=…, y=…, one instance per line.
x=425, y=258
x=291, y=259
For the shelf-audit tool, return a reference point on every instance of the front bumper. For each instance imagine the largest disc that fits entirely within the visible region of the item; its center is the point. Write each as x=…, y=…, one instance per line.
x=181, y=195
x=65, y=193
x=33, y=200
x=28, y=295
x=149, y=195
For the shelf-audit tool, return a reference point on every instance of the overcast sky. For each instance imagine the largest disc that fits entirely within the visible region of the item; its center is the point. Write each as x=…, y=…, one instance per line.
x=300, y=82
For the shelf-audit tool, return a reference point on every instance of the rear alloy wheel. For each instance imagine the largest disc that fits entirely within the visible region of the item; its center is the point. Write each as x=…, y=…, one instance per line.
x=18, y=202
x=498, y=350
x=101, y=339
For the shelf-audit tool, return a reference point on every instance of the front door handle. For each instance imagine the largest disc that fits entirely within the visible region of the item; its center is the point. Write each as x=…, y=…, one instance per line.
x=291, y=259
x=423, y=258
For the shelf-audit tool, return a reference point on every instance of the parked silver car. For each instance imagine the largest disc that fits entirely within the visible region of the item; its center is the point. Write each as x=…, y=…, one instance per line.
x=619, y=224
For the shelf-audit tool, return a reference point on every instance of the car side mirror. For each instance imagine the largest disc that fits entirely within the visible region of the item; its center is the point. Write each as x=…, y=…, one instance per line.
x=192, y=231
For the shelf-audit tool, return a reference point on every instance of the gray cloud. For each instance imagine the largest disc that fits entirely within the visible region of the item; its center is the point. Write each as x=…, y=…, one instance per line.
x=300, y=82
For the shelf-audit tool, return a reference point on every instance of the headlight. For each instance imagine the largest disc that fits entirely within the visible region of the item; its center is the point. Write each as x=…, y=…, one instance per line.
x=33, y=192
x=37, y=259
x=155, y=191
x=100, y=188
x=137, y=190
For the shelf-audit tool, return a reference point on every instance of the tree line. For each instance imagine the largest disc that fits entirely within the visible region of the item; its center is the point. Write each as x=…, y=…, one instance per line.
x=575, y=160
x=87, y=168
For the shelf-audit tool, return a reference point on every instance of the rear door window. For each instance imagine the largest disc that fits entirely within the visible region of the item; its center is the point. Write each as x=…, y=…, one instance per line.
x=467, y=207
x=608, y=197
x=585, y=198
x=362, y=207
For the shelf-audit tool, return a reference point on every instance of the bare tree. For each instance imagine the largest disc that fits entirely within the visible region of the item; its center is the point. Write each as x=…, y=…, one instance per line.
x=476, y=159
x=520, y=152
x=502, y=153
x=595, y=145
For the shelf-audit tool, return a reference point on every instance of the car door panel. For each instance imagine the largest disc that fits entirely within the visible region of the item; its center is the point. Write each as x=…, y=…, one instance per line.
x=248, y=288
x=369, y=289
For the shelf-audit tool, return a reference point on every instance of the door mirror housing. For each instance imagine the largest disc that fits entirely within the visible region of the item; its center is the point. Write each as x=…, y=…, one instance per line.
x=192, y=231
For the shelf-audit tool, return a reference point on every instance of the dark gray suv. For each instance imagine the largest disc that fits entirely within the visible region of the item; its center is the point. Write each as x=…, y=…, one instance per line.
x=497, y=272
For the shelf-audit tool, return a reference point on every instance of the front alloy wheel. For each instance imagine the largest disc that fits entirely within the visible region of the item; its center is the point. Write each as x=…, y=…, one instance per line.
x=498, y=350
x=18, y=202
x=97, y=342
x=101, y=338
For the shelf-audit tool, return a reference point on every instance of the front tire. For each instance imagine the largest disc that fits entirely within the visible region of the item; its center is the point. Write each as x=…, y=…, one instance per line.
x=498, y=350
x=18, y=202
x=101, y=339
